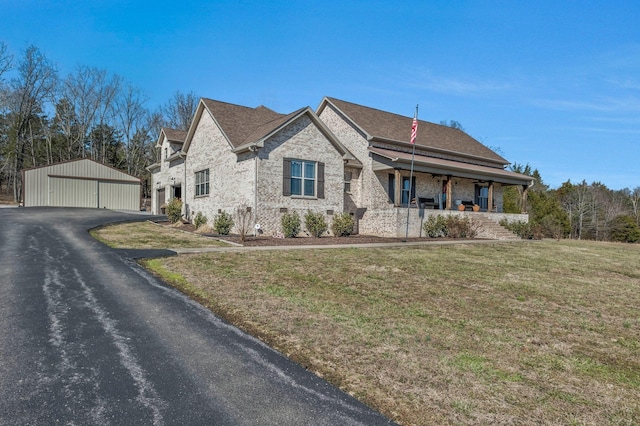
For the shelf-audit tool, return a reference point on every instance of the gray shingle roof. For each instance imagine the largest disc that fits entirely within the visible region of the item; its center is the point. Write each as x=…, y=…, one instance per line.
x=384, y=125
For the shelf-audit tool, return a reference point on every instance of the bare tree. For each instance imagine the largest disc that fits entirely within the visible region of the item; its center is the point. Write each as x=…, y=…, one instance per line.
x=634, y=197
x=6, y=59
x=89, y=94
x=179, y=110
x=28, y=94
x=130, y=116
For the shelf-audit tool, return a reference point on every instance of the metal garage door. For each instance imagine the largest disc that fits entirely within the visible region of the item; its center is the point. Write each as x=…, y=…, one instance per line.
x=65, y=192
x=119, y=195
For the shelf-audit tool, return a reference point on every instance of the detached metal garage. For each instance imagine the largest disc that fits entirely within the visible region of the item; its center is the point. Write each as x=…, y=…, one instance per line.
x=80, y=183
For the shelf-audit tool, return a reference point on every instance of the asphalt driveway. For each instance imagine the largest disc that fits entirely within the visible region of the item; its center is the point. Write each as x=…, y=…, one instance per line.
x=89, y=337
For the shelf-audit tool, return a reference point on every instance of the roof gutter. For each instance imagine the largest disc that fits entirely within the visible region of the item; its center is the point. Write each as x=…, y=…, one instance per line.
x=373, y=139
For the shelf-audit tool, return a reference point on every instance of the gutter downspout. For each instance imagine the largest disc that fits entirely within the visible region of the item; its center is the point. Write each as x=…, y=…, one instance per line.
x=254, y=148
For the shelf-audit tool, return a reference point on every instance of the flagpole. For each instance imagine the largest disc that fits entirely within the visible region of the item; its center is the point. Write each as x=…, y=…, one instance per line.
x=414, y=131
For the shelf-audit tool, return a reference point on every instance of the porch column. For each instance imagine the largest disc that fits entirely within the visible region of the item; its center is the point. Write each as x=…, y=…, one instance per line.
x=398, y=189
x=523, y=204
x=449, y=193
x=490, y=196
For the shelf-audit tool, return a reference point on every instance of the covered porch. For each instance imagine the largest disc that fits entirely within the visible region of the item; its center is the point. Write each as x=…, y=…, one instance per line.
x=444, y=184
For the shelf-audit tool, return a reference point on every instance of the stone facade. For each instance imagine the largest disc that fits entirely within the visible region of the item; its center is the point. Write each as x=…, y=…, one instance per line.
x=254, y=179
x=167, y=176
x=370, y=194
x=300, y=140
x=231, y=177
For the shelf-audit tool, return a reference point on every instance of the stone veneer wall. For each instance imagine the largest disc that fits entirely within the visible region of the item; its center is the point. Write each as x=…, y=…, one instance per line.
x=304, y=141
x=164, y=176
x=393, y=222
x=232, y=176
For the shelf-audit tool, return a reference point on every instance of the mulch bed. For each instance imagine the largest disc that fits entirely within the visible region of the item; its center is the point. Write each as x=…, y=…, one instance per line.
x=265, y=240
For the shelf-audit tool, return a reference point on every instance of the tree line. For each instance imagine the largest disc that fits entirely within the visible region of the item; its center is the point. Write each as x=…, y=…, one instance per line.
x=47, y=118
x=577, y=210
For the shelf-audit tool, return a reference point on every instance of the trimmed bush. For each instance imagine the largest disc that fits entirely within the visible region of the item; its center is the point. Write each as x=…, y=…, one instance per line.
x=435, y=226
x=451, y=226
x=223, y=223
x=199, y=220
x=174, y=210
x=290, y=224
x=315, y=223
x=342, y=225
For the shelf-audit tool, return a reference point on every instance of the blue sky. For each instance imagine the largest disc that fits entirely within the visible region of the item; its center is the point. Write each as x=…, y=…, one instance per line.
x=555, y=84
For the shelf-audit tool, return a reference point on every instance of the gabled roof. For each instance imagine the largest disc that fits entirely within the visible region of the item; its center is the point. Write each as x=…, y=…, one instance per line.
x=236, y=122
x=388, y=127
x=241, y=124
x=244, y=127
x=173, y=135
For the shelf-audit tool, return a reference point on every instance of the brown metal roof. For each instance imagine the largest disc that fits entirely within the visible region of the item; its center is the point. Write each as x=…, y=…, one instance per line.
x=382, y=125
x=449, y=167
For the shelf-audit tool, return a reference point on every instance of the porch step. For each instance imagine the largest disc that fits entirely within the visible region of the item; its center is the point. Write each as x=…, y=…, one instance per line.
x=492, y=229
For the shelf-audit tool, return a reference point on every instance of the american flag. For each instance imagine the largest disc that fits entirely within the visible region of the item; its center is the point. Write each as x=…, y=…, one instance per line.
x=414, y=130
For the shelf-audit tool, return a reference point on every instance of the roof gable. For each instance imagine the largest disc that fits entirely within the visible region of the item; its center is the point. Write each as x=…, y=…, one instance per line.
x=388, y=127
x=239, y=124
x=245, y=126
x=172, y=135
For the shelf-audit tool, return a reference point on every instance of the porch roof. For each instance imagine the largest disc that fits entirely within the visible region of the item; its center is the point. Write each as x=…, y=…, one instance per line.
x=385, y=159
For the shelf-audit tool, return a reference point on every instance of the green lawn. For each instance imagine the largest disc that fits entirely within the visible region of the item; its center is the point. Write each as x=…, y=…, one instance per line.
x=528, y=333
x=141, y=235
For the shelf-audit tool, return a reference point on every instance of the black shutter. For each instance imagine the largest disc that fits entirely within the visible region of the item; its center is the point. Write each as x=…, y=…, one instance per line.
x=392, y=188
x=286, y=177
x=413, y=189
x=320, y=188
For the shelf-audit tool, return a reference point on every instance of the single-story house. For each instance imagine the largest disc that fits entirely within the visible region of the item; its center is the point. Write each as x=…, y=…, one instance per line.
x=342, y=158
x=80, y=183
x=450, y=168
x=259, y=161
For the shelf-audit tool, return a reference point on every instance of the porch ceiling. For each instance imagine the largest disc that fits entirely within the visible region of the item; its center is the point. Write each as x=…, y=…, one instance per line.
x=385, y=159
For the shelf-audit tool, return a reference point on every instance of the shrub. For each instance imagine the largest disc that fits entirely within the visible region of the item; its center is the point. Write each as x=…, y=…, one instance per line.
x=199, y=220
x=435, y=226
x=223, y=223
x=315, y=223
x=524, y=230
x=342, y=225
x=174, y=210
x=290, y=224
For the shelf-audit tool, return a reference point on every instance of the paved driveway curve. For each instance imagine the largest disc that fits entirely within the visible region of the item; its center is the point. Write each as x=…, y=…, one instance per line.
x=88, y=337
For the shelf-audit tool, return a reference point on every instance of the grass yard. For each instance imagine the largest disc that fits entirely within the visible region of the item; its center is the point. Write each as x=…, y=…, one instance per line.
x=140, y=235
x=525, y=333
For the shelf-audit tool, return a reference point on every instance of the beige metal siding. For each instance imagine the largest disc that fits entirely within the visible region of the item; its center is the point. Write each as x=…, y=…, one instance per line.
x=81, y=183
x=119, y=195
x=72, y=192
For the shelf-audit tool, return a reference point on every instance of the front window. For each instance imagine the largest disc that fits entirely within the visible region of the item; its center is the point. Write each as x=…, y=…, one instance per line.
x=303, y=178
x=202, y=182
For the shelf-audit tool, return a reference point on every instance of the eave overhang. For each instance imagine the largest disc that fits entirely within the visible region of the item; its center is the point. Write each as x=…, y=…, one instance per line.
x=384, y=159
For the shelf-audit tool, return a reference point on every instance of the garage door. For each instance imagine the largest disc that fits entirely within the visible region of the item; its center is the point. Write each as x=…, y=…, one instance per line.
x=119, y=195
x=64, y=192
